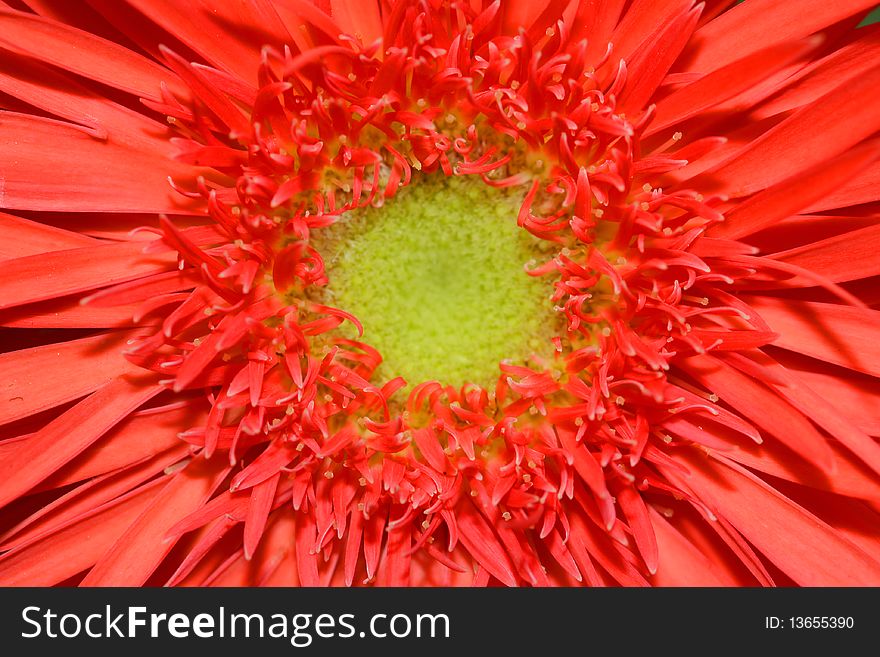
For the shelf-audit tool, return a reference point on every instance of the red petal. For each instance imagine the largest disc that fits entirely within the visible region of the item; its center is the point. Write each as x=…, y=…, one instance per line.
x=806, y=549
x=649, y=65
x=396, y=564
x=140, y=436
x=482, y=544
x=734, y=340
x=819, y=78
x=600, y=546
x=98, y=176
x=761, y=23
x=21, y=237
x=681, y=562
x=86, y=54
x=306, y=558
x=863, y=187
x=716, y=414
x=59, y=273
x=843, y=335
x=758, y=403
x=68, y=312
x=74, y=548
x=44, y=87
x=840, y=258
x=69, y=434
x=274, y=554
x=636, y=513
x=723, y=84
x=229, y=35
x=584, y=562
x=429, y=446
x=810, y=136
x=36, y=379
x=816, y=408
x=711, y=152
x=558, y=548
x=359, y=17
x=640, y=22
x=307, y=25
x=353, y=546
x=215, y=100
x=275, y=457
x=802, y=229
x=595, y=21
x=850, y=478
x=258, y=513
x=144, y=545
x=84, y=499
x=143, y=289
x=591, y=473
x=201, y=554
x=855, y=520
x=793, y=194
x=855, y=396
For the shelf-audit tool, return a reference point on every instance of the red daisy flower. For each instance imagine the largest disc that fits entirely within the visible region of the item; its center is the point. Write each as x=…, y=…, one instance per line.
x=423, y=292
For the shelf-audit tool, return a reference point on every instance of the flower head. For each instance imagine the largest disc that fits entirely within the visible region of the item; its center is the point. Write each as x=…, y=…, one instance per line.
x=429, y=293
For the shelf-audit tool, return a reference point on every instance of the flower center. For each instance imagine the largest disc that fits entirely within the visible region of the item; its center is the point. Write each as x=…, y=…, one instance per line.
x=437, y=278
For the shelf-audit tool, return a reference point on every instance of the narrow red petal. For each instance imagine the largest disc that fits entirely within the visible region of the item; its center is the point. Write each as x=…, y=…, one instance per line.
x=36, y=379
x=639, y=23
x=758, y=403
x=479, y=539
x=71, y=433
x=84, y=499
x=140, y=550
x=817, y=408
x=204, y=556
x=306, y=558
x=810, y=136
x=258, y=513
x=221, y=32
x=723, y=84
x=649, y=65
x=358, y=17
x=83, y=53
x=863, y=187
x=59, y=273
x=854, y=519
x=794, y=194
x=636, y=513
x=222, y=107
x=396, y=564
x=855, y=396
x=681, y=562
x=44, y=87
x=595, y=21
x=761, y=23
x=851, y=478
x=806, y=549
x=68, y=312
x=843, y=335
x=77, y=546
x=845, y=63
x=22, y=237
x=99, y=175
x=140, y=436
x=841, y=258
x=596, y=541
x=273, y=564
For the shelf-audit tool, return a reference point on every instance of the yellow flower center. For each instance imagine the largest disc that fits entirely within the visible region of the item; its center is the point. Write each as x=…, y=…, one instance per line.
x=437, y=278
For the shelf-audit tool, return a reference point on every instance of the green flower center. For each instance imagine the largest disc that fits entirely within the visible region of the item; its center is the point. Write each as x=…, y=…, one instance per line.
x=437, y=278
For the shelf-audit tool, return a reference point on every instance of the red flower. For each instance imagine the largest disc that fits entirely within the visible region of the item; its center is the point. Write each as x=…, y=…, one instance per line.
x=196, y=187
